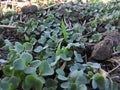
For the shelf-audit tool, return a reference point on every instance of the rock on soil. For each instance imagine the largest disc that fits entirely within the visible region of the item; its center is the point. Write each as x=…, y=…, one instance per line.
x=104, y=49
x=29, y=9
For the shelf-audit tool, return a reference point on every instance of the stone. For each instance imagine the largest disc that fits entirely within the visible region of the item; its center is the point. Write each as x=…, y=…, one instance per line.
x=103, y=50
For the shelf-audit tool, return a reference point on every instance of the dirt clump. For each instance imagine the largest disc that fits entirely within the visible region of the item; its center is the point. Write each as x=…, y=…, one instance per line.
x=29, y=9
x=103, y=50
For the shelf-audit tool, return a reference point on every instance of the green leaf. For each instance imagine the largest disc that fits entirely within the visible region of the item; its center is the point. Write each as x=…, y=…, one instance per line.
x=30, y=70
x=42, y=40
x=27, y=57
x=115, y=86
x=64, y=30
x=28, y=46
x=78, y=57
x=58, y=51
x=65, y=58
x=19, y=64
x=94, y=84
x=57, y=58
x=4, y=85
x=82, y=87
x=61, y=77
x=7, y=70
x=94, y=65
x=60, y=72
x=82, y=79
x=19, y=47
x=5, y=21
x=14, y=81
x=74, y=74
x=96, y=37
x=8, y=44
x=118, y=48
x=78, y=27
x=99, y=80
x=33, y=41
x=45, y=69
x=65, y=85
x=26, y=37
x=93, y=24
x=50, y=83
x=38, y=49
x=32, y=82
x=35, y=63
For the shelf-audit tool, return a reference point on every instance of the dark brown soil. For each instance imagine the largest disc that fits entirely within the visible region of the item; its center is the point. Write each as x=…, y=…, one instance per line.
x=11, y=35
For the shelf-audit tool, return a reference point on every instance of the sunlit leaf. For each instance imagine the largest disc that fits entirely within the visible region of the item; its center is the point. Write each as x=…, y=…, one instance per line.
x=32, y=82
x=64, y=30
x=78, y=57
x=19, y=64
x=27, y=57
x=19, y=47
x=45, y=69
x=28, y=46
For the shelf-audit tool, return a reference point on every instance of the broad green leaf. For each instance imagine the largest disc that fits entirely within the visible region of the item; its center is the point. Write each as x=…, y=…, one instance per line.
x=50, y=88
x=82, y=79
x=73, y=86
x=27, y=57
x=94, y=84
x=35, y=63
x=19, y=64
x=8, y=44
x=5, y=21
x=28, y=46
x=65, y=58
x=32, y=82
x=33, y=41
x=96, y=37
x=118, y=48
x=4, y=85
x=77, y=66
x=94, y=65
x=38, y=49
x=74, y=74
x=45, y=69
x=64, y=30
x=14, y=81
x=42, y=40
x=60, y=72
x=82, y=87
x=78, y=57
x=61, y=77
x=30, y=70
x=65, y=85
x=115, y=86
x=78, y=27
x=50, y=83
x=57, y=58
x=99, y=80
x=93, y=24
x=19, y=47
x=26, y=37
x=7, y=70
